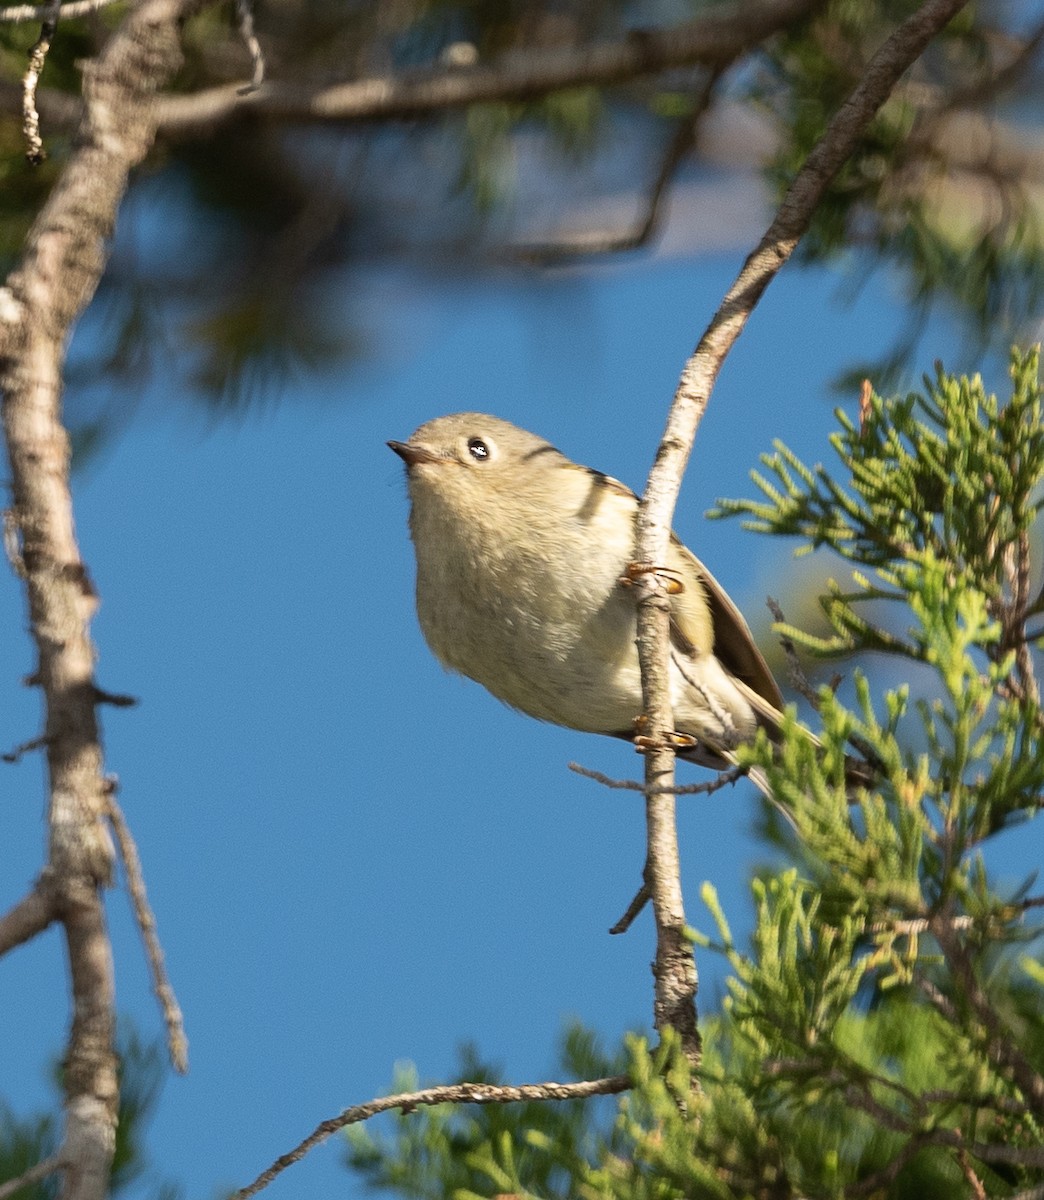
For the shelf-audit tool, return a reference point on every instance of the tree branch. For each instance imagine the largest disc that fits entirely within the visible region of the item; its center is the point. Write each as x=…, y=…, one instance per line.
x=34, y=1174
x=30, y=916
x=716, y=38
x=58, y=274
x=177, y=1043
x=34, y=150
x=454, y=1093
x=680, y=144
x=16, y=14
x=674, y=970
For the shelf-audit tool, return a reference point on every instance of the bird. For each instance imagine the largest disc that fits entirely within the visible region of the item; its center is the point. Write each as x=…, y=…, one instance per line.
x=522, y=557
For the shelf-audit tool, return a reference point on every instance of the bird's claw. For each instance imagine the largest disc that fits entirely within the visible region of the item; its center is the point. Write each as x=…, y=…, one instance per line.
x=646, y=743
x=671, y=579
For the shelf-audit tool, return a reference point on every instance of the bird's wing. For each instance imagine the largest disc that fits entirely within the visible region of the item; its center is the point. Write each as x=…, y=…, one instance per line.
x=730, y=635
x=704, y=618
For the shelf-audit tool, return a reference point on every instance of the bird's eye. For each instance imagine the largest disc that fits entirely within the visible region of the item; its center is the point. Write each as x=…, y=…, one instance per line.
x=478, y=449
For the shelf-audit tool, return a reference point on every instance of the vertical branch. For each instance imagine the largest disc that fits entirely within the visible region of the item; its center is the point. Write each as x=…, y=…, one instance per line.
x=675, y=971
x=34, y=150
x=64, y=258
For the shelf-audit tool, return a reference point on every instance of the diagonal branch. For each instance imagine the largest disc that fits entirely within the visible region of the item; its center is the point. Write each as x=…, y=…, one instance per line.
x=602, y=241
x=34, y=1174
x=30, y=916
x=177, y=1043
x=675, y=969
x=454, y=1093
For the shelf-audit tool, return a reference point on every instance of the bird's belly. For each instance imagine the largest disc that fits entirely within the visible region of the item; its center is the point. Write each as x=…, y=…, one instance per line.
x=559, y=646
x=591, y=682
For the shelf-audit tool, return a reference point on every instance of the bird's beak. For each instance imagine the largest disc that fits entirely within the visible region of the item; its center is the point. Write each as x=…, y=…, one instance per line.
x=411, y=455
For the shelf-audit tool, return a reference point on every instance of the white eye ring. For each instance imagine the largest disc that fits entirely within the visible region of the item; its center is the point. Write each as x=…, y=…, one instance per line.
x=479, y=449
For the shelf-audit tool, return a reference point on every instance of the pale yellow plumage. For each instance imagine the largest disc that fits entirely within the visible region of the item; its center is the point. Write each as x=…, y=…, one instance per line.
x=520, y=554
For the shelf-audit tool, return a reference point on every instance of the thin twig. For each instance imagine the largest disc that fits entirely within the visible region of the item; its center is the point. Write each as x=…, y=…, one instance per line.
x=34, y=150
x=969, y=1173
x=722, y=779
x=866, y=397
x=1020, y=583
x=17, y=14
x=116, y=699
x=12, y=756
x=1001, y=78
x=245, y=17
x=918, y=925
x=45, y=1167
x=13, y=542
x=641, y=899
x=604, y=242
x=456, y=1093
x=877, y=1183
x=799, y=681
x=177, y=1043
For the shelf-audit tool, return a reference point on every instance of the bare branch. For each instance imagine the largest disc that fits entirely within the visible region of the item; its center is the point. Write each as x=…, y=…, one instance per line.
x=35, y=1174
x=795, y=671
x=13, y=543
x=918, y=925
x=34, y=150
x=17, y=14
x=13, y=755
x=602, y=242
x=877, y=1182
x=30, y=916
x=1024, y=1156
x=245, y=17
x=177, y=1043
x=717, y=37
x=60, y=111
x=675, y=968
x=455, y=1093
x=722, y=779
x=641, y=899
x=970, y=1174
x=1019, y=604
x=1003, y=76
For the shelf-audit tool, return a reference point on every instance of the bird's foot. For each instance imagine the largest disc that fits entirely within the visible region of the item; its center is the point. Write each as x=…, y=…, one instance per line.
x=646, y=743
x=671, y=580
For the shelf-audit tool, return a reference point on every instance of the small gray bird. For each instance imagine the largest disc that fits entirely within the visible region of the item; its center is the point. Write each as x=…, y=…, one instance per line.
x=520, y=560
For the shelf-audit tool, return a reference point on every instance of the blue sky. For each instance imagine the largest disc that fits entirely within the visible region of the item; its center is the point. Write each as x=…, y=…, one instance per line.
x=354, y=857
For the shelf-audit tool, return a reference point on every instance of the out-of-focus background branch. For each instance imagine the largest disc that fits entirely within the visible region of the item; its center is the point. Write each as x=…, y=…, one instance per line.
x=464, y=134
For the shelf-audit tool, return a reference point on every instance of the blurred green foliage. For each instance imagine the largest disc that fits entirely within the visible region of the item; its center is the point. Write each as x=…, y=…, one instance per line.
x=235, y=235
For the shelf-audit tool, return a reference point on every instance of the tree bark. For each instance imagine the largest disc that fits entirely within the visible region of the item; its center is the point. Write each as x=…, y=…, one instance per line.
x=66, y=252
